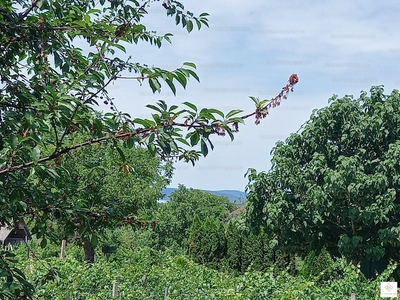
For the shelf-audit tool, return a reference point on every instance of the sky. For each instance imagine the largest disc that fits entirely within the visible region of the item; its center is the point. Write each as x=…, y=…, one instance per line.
x=251, y=48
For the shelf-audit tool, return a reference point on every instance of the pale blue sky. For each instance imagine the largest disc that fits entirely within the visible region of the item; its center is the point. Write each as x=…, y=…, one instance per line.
x=250, y=49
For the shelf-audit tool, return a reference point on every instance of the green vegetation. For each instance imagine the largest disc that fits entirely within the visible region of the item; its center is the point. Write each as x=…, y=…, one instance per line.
x=106, y=192
x=335, y=184
x=145, y=273
x=330, y=200
x=57, y=60
x=176, y=216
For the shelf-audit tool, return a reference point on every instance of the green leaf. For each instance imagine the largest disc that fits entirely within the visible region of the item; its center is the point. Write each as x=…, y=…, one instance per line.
x=57, y=59
x=15, y=194
x=229, y=131
x=180, y=77
x=172, y=108
x=237, y=120
x=152, y=149
x=263, y=102
x=198, y=23
x=183, y=141
x=211, y=144
x=36, y=139
x=193, y=74
x=206, y=115
x=204, y=22
x=94, y=11
x=189, y=26
x=171, y=86
x=98, y=125
x=233, y=112
x=35, y=155
x=144, y=122
x=190, y=64
x=65, y=67
x=86, y=18
x=255, y=100
x=13, y=141
x=204, y=148
x=154, y=108
x=162, y=105
x=216, y=111
x=191, y=105
x=23, y=205
x=156, y=118
x=194, y=138
x=130, y=143
x=154, y=84
x=151, y=137
x=91, y=174
x=79, y=23
x=5, y=273
x=121, y=154
x=94, y=240
x=43, y=243
x=120, y=47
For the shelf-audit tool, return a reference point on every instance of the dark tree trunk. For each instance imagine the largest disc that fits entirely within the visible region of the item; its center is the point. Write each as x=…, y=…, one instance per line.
x=89, y=251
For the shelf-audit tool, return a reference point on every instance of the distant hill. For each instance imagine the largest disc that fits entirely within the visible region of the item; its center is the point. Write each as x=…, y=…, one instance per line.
x=232, y=195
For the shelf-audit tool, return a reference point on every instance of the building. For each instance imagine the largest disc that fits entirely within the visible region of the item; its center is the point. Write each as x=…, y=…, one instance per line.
x=10, y=236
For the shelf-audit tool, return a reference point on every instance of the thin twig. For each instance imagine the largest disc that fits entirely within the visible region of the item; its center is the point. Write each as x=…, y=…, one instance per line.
x=143, y=131
x=25, y=13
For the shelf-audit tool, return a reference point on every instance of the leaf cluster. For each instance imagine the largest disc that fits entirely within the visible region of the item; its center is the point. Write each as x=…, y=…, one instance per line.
x=334, y=183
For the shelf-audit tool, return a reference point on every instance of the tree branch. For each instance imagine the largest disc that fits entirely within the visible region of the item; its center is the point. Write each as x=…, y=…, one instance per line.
x=264, y=111
x=340, y=226
x=143, y=131
x=139, y=131
x=25, y=13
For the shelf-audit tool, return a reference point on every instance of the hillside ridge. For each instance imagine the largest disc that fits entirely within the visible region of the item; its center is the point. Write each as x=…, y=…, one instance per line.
x=232, y=195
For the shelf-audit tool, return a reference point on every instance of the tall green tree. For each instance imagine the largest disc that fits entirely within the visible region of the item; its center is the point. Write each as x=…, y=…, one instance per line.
x=336, y=183
x=57, y=59
x=102, y=191
x=234, y=242
x=176, y=215
x=207, y=242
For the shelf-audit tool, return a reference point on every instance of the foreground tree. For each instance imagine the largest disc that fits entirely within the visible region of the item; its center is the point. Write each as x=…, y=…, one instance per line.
x=50, y=87
x=336, y=183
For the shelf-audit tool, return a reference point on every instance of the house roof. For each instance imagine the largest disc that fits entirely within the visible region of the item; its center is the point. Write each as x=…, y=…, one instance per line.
x=6, y=230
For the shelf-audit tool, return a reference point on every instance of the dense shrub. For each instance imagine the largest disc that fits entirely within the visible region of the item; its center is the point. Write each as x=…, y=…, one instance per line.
x=145, y=274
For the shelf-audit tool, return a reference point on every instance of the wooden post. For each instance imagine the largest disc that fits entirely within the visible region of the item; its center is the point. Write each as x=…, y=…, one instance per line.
x=353, y=297
x=63, y=244
x=29, y=269
x=166, y=292
x=115, y=287
x=27, y=247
